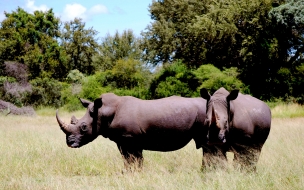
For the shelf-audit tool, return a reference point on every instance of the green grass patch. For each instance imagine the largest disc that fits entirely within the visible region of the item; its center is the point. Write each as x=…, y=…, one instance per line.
x=287, y=111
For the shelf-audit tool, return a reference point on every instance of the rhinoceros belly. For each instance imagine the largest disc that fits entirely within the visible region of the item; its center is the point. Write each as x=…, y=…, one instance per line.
x=165, y=141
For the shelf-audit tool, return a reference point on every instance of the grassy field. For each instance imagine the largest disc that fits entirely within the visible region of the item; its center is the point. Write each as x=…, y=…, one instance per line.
x=34, y=155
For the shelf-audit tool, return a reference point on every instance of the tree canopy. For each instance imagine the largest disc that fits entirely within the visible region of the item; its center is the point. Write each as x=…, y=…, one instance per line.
x=117, y=47
x=80, y=45
x=262, y=41
x=31, y=39
x=254, y=45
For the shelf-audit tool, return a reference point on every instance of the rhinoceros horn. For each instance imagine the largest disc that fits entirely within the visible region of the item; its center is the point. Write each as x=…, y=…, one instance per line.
x=213, y=116
x=64, y=127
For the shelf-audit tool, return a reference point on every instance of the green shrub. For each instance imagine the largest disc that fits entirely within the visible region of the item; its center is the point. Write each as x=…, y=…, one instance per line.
x=95, y=85
x=7, y=79
x=69, y=96
x=16, y=93
x=137, y=92
x=127, y=77
x=175, y=79
x=45, y=92
x=92, y=88
x=127, y=74
x=75, y=76
x=212, y=79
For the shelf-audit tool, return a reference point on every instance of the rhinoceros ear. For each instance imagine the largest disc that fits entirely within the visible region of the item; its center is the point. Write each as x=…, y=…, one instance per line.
x=205, y=94
x=233, y=95
x=84, y=102
x=97, y=103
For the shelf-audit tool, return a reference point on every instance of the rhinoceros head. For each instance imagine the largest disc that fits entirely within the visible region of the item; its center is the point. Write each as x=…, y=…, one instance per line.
x=82, y=131
x=218, y=113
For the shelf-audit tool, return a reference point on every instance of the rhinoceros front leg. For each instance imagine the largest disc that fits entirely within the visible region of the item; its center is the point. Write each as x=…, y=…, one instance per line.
x=132, y=156
x=213, y=157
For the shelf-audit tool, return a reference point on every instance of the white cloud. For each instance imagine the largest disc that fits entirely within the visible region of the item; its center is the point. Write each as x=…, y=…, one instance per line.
x=98, y=9
x=30, y=5
x=72, y=11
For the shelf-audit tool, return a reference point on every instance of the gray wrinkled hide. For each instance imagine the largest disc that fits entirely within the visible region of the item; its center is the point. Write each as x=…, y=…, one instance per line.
x=163, y=125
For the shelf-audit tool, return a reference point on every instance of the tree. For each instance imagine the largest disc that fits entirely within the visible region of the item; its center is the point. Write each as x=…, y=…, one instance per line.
x=118, y=47
x=261, y=41
x=31, y=39
x=288, y=26
x=169, y=38
x=80, y=45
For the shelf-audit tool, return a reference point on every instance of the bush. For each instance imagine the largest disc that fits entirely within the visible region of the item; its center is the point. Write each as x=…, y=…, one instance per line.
x=127, y=74
x=69, y=96
x=16, y=93
x=175, y=79
x=137, y=92
x=75, y=76
x=212, y=79
x=88, y=88
x=127, y=78
x=92, y=87
x=46, y=92
x=14, y=86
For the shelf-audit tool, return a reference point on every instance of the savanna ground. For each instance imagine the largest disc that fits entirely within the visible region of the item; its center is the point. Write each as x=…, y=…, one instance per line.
x=34, y=155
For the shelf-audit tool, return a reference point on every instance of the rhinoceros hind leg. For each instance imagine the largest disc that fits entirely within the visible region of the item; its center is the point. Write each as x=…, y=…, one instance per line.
x=246, y=157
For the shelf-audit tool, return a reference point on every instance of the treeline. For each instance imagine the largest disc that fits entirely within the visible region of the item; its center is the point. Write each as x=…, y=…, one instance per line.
x=256, y=46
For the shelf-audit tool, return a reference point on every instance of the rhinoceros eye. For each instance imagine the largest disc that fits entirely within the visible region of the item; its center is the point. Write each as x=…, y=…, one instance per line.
x=84, y=127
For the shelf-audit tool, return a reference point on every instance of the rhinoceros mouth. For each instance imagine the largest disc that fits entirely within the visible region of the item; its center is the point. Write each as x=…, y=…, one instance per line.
x=215, y=143
x=73, y=141
x=74, y=145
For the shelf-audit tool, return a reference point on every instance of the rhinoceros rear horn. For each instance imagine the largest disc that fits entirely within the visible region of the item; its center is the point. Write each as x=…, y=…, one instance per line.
x=64, y=127
x=74, y=120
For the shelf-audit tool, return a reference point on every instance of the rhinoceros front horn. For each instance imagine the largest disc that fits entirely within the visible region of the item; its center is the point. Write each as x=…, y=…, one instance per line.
x=64, y=127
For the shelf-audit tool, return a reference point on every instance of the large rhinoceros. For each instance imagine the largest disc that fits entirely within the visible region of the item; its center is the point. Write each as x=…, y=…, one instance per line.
x=238, y=123
x=135, y=125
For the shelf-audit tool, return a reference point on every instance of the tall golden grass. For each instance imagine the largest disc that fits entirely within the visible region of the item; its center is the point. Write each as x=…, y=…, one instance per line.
x=34, y=155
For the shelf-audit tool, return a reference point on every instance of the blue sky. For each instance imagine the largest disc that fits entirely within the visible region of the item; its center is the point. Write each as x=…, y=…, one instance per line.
x=105, y=16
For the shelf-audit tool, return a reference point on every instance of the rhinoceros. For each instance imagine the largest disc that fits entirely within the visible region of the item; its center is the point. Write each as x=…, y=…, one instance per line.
x=135, y=125
x=238, y=123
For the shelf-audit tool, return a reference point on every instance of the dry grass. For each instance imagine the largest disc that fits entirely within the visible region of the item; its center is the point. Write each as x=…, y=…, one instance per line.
x=34, y=155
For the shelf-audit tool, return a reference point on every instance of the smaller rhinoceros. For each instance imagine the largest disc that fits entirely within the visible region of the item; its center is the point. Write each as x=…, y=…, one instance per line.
x=135, y=125
x=238, y=123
